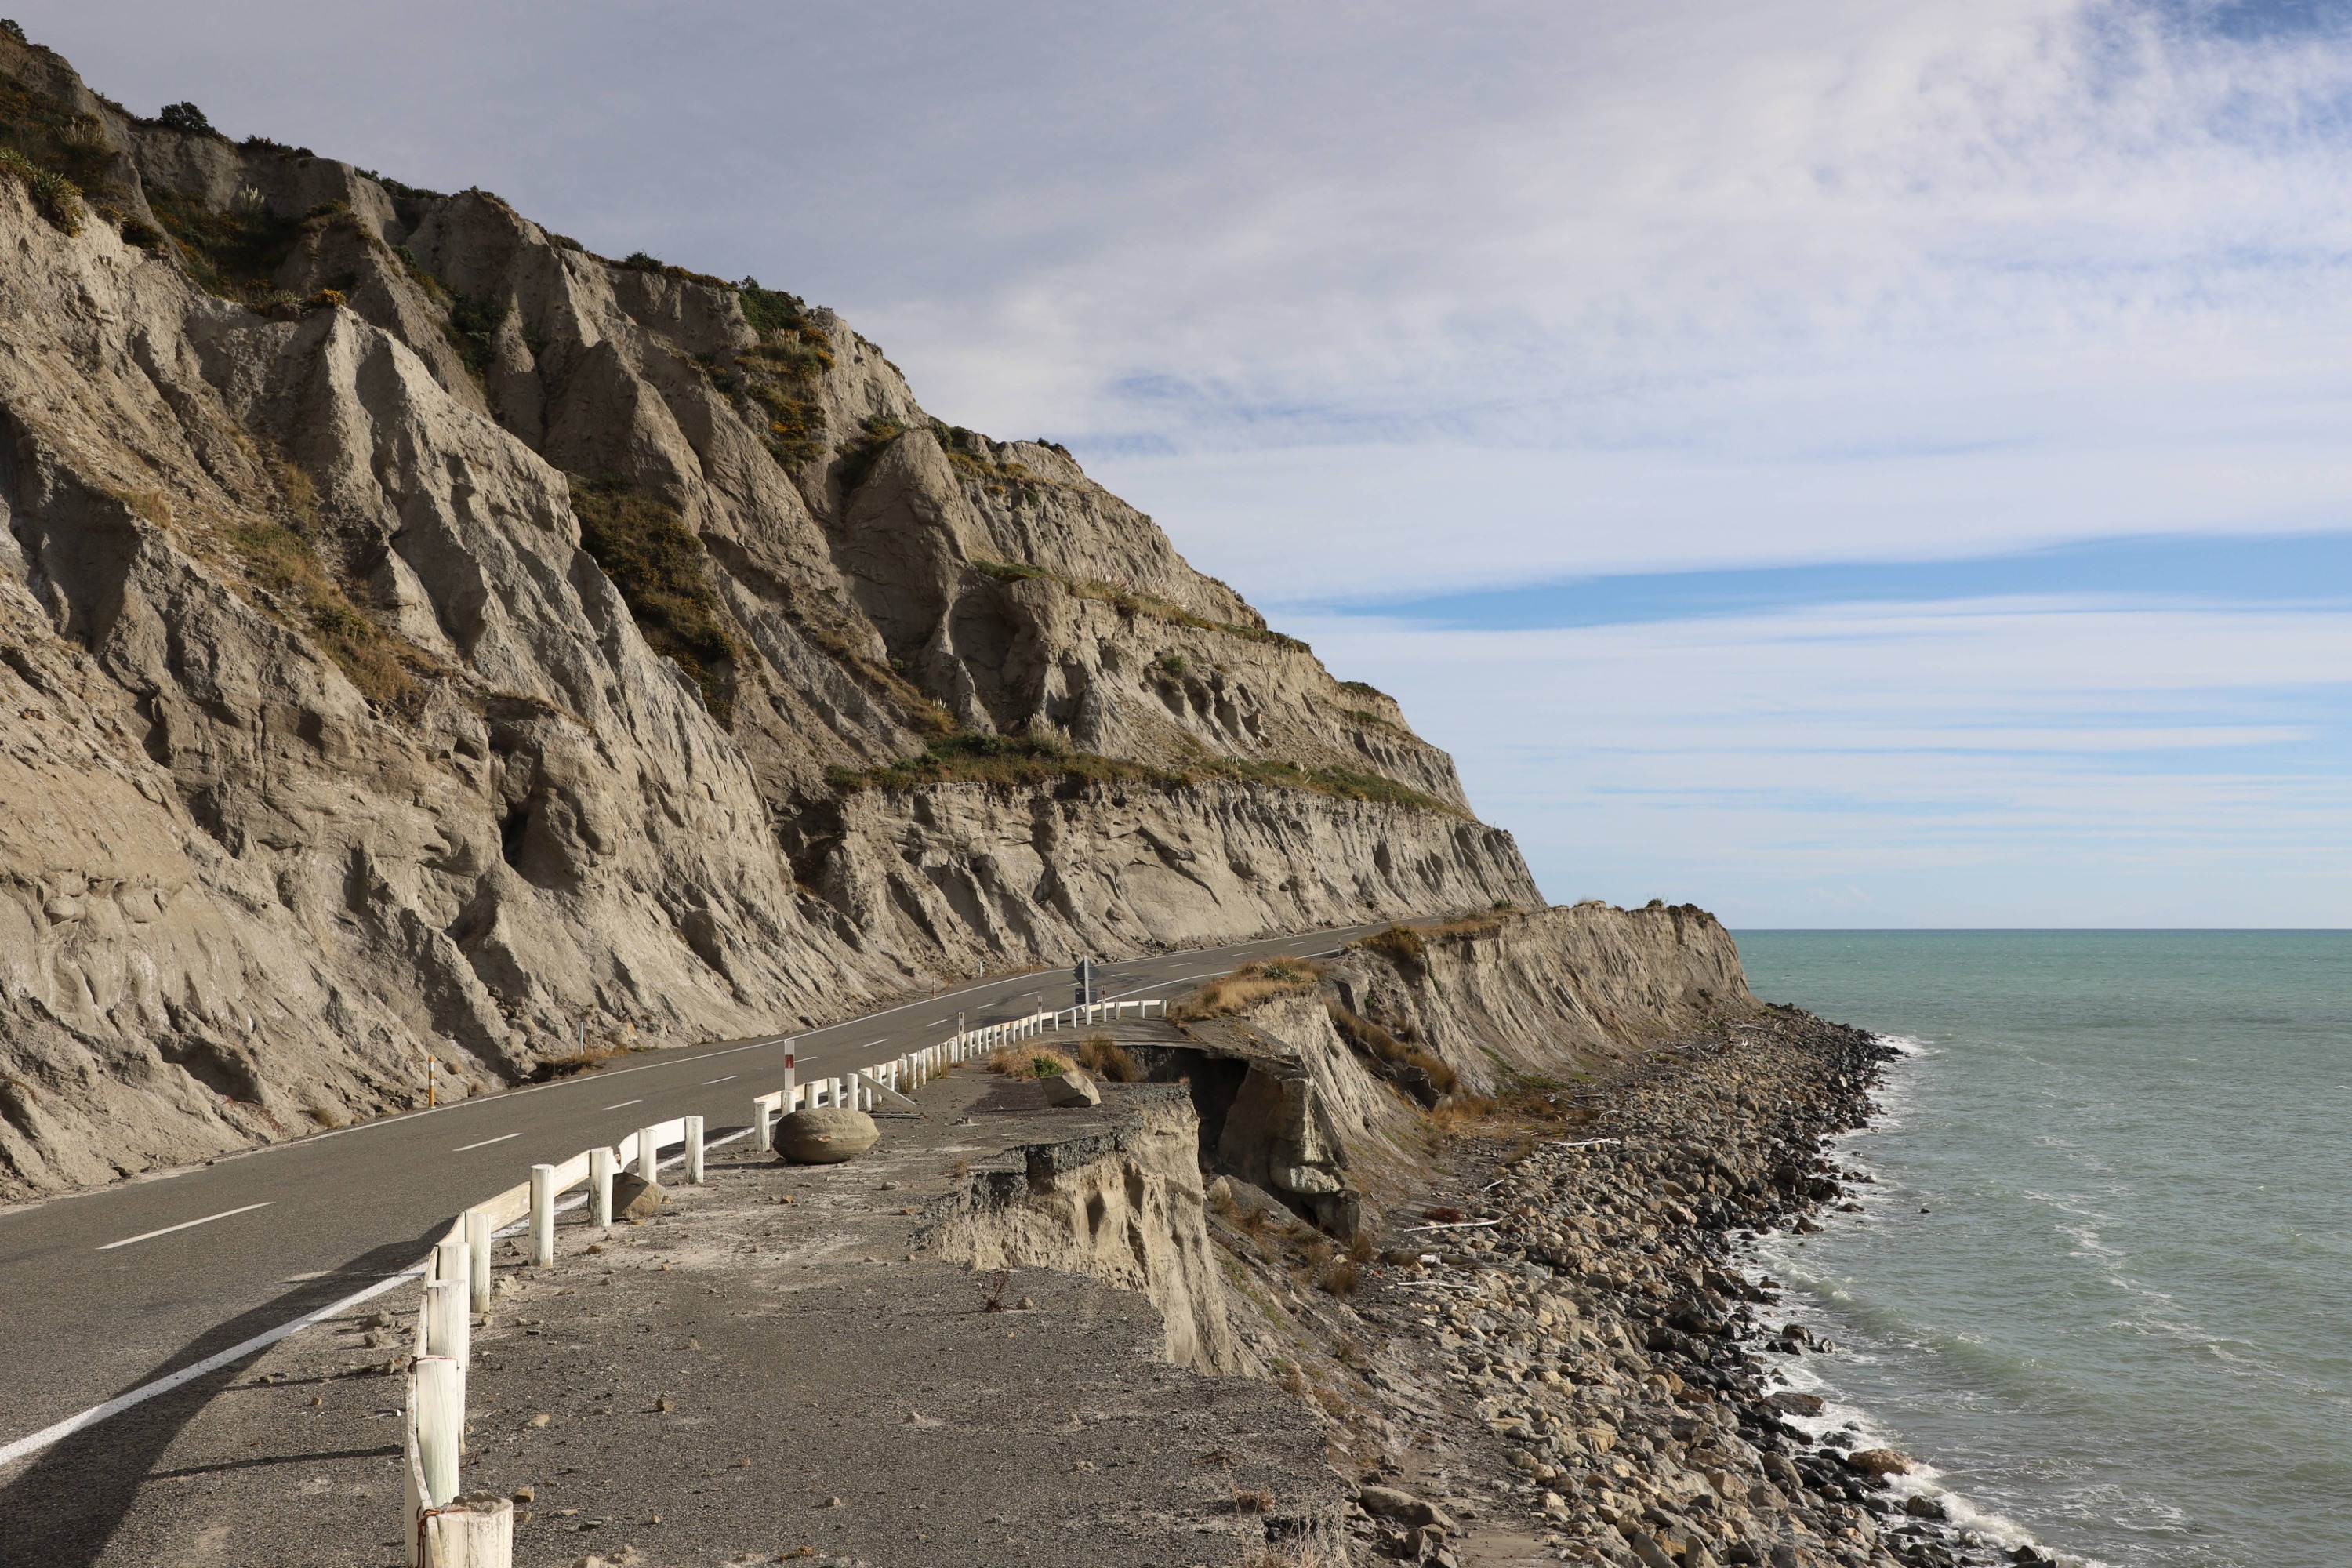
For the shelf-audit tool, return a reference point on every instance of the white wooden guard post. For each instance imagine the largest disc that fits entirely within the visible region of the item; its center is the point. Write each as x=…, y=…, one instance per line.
x=470, y=1533
x=602, y=1168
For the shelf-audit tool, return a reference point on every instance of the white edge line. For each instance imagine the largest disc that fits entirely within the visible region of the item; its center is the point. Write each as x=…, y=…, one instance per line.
x=185, y=1225
x=485, y=1143
x=122, y=1402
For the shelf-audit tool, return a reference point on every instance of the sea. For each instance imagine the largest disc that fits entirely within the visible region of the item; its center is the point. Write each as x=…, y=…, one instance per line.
x=2102, y=1281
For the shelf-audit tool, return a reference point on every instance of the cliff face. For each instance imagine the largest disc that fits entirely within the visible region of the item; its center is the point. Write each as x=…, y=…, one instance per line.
x=1311, y=1091
x=1552, y=991
x=418, y=634
x=1123, y=1206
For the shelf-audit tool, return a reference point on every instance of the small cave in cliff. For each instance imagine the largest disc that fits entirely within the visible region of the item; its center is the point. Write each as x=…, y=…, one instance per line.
x=1216, y=1083
x=1213, y=1081
x=512, y=827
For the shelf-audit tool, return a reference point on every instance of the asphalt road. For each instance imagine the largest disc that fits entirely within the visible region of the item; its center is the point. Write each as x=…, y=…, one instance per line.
x=103, y=1293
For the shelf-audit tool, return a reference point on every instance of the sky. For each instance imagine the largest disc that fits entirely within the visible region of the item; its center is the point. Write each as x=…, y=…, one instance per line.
x=1838, y=463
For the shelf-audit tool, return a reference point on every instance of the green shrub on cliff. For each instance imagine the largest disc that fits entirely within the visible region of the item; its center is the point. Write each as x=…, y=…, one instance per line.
x=1130, y=603
x=858, y=455
x=472, y=330
x=970, y=756
x=185, y=118
x=780, y=372
x=58, y=198
x=280, y=556
x=656, y=563
x=59, y=153
x=233, y=251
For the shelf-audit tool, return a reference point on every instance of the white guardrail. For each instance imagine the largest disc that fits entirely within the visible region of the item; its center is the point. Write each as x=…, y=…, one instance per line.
x=447, y=1530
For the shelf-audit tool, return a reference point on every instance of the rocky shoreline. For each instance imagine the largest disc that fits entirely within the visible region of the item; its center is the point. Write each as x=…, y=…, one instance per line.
x=1576, y=1365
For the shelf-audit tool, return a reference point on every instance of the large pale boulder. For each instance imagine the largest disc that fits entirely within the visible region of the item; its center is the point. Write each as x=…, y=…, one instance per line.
x=825, y=1136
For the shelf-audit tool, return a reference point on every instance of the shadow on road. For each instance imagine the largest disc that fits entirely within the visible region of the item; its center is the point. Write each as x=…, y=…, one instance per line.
x=63, y=1509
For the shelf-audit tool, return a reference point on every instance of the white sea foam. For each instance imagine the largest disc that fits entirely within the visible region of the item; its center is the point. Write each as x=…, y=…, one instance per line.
x=1776, y=1253
x=1840, y=1413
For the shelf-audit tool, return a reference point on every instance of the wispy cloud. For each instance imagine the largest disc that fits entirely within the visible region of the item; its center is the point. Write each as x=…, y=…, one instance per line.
x=1996, y=761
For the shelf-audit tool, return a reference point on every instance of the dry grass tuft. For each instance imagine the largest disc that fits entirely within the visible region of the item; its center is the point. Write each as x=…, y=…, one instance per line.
x=1375, y=1041
x=1483, y=923
x=1025, y=1060
x=1402, y=946
x=553, y=1068
x=1106, y=1057
x=1247, y=986
x=150, y=504
x=657, y=563
x=1462, y=1113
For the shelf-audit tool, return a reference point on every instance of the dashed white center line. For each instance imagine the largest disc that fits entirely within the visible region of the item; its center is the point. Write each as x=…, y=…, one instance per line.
x=709, y=1081
x=486, y=1143
x=874, y=1042
x=625, y=1102
x=184, y=1224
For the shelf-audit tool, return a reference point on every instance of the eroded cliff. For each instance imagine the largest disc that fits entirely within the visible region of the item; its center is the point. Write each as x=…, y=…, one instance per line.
x=419, y=636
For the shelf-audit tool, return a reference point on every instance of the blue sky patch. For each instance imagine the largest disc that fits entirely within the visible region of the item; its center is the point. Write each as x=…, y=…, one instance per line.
x=2294, y=570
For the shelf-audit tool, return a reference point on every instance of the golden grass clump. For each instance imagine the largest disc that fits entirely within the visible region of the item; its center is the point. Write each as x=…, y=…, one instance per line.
x=550, y=1068
x=1402, y=946
x=1483, y=923
x=1026, y=1060
x=1373, y=1040
x=1106, y=1057
x=1248, y=985
x=1462, y=1113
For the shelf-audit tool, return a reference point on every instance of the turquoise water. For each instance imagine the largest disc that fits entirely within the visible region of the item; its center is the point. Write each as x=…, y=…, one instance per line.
x=2124, y=1326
